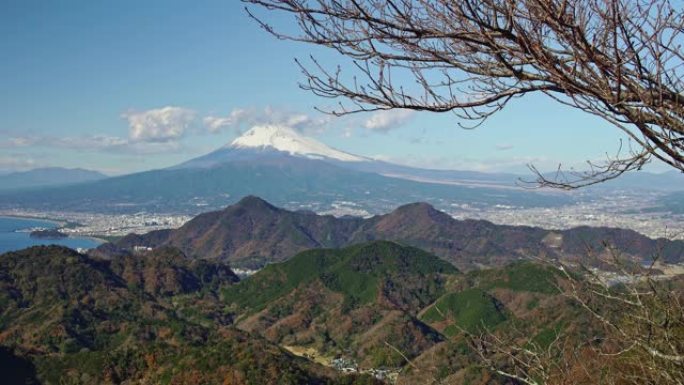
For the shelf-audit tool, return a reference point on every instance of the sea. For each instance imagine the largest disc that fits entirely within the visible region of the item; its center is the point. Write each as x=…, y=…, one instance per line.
x=14, y=235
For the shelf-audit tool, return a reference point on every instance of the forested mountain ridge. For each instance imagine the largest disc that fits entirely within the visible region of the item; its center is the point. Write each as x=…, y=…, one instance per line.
x=253, y=232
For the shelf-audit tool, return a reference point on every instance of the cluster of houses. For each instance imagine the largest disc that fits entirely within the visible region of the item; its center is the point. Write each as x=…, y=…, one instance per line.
x=349, y=366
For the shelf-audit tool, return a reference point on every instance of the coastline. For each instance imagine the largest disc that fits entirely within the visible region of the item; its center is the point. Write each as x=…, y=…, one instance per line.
x=94, y=238
x=58, y=223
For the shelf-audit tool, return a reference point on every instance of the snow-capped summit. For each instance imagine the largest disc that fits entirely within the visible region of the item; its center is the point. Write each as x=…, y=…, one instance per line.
x=269, y=143
x=285, y=139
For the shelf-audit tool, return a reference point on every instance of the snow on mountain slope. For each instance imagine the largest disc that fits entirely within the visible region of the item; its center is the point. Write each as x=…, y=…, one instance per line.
x=287, y=140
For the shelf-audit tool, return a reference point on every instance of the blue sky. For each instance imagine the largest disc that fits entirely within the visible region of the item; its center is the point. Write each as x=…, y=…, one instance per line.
x=123, y=86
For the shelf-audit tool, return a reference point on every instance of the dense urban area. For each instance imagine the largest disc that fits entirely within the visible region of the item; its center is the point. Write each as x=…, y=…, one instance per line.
x=626, y=209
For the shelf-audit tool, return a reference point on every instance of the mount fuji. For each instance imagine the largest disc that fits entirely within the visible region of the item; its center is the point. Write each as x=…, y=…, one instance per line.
x=280, y=143
x=272, y=141
x=289, y=169
x=287, y=140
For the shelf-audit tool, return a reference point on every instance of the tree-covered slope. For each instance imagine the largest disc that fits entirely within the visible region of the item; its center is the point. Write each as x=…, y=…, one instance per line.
x=163, y=317
x=70, y=318
x=345, y=301
x=356, y=272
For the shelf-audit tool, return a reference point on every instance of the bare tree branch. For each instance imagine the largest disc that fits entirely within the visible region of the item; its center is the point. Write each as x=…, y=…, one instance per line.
x=620, y=60
x=638, y=335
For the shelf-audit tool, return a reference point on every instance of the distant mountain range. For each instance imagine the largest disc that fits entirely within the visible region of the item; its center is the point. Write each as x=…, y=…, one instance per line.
x=279, y=164
x=291, y=170
x=253, y=232
x=48, y=177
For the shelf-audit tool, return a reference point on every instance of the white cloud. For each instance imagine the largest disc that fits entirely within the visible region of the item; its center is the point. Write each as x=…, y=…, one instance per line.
x=514, y=164
x=386, y=120
x=504, y=146
x=20, y=141
x=240, y=118
x=113, y=144
x=159, y=125
x=160, y=130
x=216, y=124
x=116, y=144
x=91, y=142
x=17, y=162
x=153, y=148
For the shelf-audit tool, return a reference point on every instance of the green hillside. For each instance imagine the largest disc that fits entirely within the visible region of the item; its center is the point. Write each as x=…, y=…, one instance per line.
x=519, y=276
x=356, y=272
x=346, y=301
x=470, y=310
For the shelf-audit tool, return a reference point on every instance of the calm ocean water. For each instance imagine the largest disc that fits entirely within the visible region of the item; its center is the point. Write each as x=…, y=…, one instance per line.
x=11, y=240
